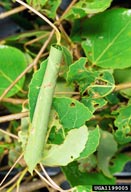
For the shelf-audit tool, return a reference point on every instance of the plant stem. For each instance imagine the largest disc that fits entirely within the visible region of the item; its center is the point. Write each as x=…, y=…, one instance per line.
x=44, y=179
x=9, y=134
x=15, y=101
x=20, y=178
x=35, y=40
x=49, y=179
x=19, y=158
x=11, y=12
x=10, y=182
x=122, y=86
x=11, y=117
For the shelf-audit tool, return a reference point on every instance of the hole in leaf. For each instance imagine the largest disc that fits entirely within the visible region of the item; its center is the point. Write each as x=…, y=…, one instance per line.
x=84, y=5
x=71, y=157
x=101, y=75
x=86, y=65
x=128, y=134
x=96, y=105
x=56, y=117
x=100, y=82
x=72, y=104
x=89, y=53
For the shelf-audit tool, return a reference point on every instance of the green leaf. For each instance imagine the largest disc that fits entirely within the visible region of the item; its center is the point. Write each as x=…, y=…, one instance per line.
x=84, y=7
x=35, y=86
x=79, y=74
x=69, y=150
x=37, y=4
x=56, y=133
x=38, y=128
x=1, y=150
x=48, y=7
x=72, y=113
x=107, y=38
x=12, y=64
x=123, y=123
x=67, y=61
x=76, y=177
x=92, y=143
x=83, y=188
x=51, y=8
x=64, y=88
x=119, y=163
x=104, y=84
x=97, y=83
x=68, y=58
x=113, y=98
x=106, y=152
x=93, y=103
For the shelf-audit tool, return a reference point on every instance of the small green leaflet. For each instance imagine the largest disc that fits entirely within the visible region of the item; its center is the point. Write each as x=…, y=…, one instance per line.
x=106, y=149
x=49, y=7
x=93, y=103
x=97, y=83
x=12, y=64
x=37, y=4
x=104, y=84
x=84, y=7
x=69, y=150
x=83, y=188
x=123, y=123
x=92, y=143
x=72, y=113
x=76, y=177
x=119, y=162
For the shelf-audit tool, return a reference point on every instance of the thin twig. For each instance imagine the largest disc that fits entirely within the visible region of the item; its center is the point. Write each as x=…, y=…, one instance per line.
x=50, y=182
x=15, y=116
x=58, y=36
x=45, y=180
x=10, y=181
x=122, y=86
x=49, y=179
x=9, y=134
x=67, y=93
x=38, y=184
x=20, y=178
x=13, y=11
x=30, y=66
x=14, y=101
x=19, y=158
x=35, y=40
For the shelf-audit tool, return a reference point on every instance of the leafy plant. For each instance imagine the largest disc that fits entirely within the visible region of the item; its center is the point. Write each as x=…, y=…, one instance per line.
x=77, y=115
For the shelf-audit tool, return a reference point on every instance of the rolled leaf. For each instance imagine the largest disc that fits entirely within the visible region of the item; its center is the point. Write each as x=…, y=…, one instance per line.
x=37, y=132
